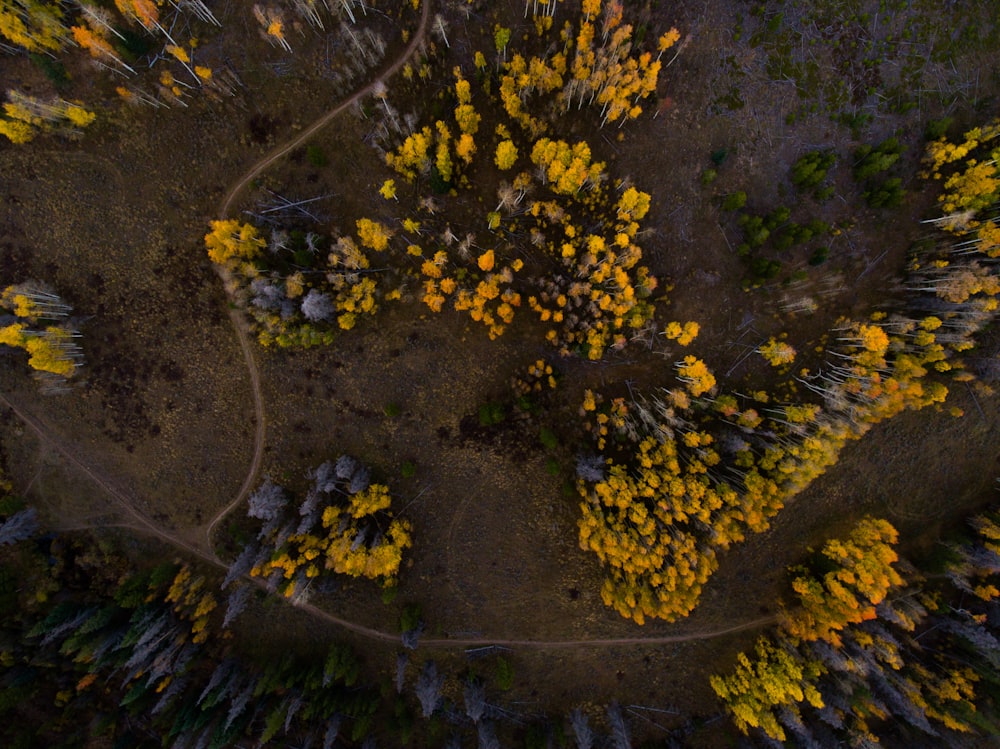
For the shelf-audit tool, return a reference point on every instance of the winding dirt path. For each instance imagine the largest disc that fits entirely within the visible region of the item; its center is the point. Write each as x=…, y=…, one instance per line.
x=324, y=120
x=203, y=549
x=141, y=523
x=237, y=319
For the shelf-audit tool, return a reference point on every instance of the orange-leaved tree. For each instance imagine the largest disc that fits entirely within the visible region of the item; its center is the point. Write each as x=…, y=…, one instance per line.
x=861, y=574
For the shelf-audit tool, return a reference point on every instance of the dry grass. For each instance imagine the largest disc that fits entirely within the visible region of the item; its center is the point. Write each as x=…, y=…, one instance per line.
x=115, y=224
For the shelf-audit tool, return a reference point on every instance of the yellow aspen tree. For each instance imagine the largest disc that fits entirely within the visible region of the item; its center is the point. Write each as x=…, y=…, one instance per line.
x=863, y=575
x=143, y=11
x=95, y=42
x=35, y=25
x=373, y=234
x=777, y=353
x=775, y=678
x=506, y=155
x=232, y=239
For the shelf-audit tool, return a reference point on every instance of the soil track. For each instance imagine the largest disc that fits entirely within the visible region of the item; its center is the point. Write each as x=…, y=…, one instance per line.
x=239, y=323
x=202, y=547
x=143, y=524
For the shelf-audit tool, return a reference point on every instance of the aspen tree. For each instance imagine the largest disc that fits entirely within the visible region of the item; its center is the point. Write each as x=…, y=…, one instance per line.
x=35, y=25
x=232, y=239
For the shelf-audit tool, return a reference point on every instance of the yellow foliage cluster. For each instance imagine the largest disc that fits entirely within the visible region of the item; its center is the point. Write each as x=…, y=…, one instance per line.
x=976, y=574
x=694, y=373
x=232, y=239
x=609, y=75
x=373, y=234
x=466, y=116
x=882, y=374
x=683, y=334
x=349, y=286
x=775, y=678
x=414, y=156
x=490, y=304
x=521, y=79
x=192, y=602
x=50, y=347
x=834, y=605
x=35, y=25
x=653, y=573
x=862, y=576
x=24, y=116
x=506, y=155
x=354, y=543
x=143, y=11
x=610, y=419
x=566, y=169
x=777, y=353
x=971, y=182
x=605, y=292
x=411, y=158
x=540, y=376
x=492, y=301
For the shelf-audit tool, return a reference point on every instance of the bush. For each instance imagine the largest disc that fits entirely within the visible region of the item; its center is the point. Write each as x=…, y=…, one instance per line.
x=490, y=414
x=315, y=156
x=54, y=70
x=719, y=156
x=819, y=256
x=504, y=674
x=734, y=201
x=810, y=170
x=938, y=128
x=410, y=618
x=548, y=439
x=888, y=194
x=870, y=161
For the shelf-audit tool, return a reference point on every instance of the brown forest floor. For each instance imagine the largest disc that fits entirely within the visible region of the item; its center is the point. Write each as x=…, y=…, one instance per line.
x=115, y=222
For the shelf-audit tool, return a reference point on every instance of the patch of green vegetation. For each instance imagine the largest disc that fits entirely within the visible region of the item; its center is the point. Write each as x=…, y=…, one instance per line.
x=389, y=594
x=439, y=184
x=937, y=129
x=870, y=167
x=54, y=70
x=732, y=99
x=10, y=504
x=548, y=438
x=811, y=169
x=819, y=256
x=886, y=194
x=316, y=157
x=491, y=414
x=392, y=410
x=408, y=470
x=410, y=617
x=873, y=160
x=504, y=674
x=734, y=201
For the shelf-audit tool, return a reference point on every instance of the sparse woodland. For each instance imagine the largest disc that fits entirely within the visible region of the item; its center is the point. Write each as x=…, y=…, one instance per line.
x=627, y=310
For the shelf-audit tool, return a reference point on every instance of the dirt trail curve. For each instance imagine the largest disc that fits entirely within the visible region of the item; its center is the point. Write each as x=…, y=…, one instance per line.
x=139, y=522
x=239, y=322
x=202, y=548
